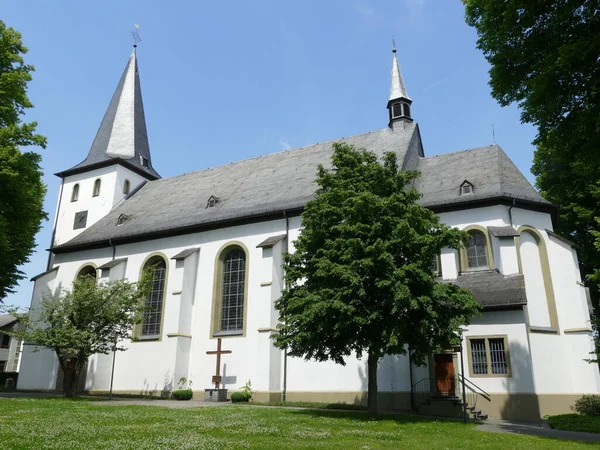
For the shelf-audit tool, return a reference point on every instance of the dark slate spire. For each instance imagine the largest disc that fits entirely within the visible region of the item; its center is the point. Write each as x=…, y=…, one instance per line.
x=122, y=137
x=399, y=101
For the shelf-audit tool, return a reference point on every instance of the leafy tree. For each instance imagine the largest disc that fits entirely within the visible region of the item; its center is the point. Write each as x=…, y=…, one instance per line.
x=544, y=56
x=21, y=188
x=360, y=279
x=90, y=318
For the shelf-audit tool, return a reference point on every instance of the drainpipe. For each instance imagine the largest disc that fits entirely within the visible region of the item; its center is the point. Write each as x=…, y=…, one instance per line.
x=285, y=250
x=112, y=372
x=410, y=372
x=510, y=212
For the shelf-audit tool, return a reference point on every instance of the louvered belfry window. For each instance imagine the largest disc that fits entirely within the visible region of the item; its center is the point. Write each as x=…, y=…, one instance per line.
x=154, y=300
x=476, y=251
x=232, y=297
x=489, y=356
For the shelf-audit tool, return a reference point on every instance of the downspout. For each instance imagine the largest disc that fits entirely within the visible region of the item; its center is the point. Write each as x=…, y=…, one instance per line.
x=285, y=250
x=113, y=248
x=112, y=370
x=410, y=372
x=510, y=212
x=62, y=185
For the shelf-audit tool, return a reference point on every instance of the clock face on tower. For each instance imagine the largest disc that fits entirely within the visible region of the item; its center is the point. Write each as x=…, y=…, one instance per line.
x=80, y=220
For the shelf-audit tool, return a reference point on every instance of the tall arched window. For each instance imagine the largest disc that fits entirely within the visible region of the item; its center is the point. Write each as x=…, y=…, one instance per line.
x=89, y=271
x=397, y=110
x=230, y=293
x=97, y=187
x=476, y=248
x=150, y=328
x=407, y=110
x=75, y=193
x=126, y=187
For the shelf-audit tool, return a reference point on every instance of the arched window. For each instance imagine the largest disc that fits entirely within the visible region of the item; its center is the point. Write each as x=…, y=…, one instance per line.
x=150, y=328
x=476, y=248
x=126, y=187
x=97, y=187
x=87, y=271
x=396, y=110
x=406, y=110
x=230, y=294
x=75, y=193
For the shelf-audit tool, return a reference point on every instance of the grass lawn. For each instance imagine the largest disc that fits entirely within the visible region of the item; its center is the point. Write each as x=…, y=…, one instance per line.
x=63, y=424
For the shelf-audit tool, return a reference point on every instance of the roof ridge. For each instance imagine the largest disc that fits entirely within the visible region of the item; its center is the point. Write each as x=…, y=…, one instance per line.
x=267, y=154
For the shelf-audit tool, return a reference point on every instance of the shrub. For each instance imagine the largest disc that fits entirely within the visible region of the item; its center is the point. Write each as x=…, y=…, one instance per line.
x=575, y=422
x=5, y=375
x=183, y=394
x=588, y=405
x=238, y=397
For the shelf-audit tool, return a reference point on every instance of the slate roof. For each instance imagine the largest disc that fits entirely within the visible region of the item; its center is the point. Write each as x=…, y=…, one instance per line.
x=397, y=86
x=122, y=130
x=284, y=181
x=492, y=290
x=271, y=241
x=6, y=319
x=489, y=169
x=501, y=232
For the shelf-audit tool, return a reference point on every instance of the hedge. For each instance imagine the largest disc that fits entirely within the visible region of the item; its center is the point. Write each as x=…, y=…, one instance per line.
x=575, y=422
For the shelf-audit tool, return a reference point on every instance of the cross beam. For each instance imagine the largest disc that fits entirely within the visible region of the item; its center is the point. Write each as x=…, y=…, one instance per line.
x=217, y=377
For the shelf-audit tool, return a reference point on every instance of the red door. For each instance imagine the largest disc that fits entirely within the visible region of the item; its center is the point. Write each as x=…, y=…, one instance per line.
x=444, y=374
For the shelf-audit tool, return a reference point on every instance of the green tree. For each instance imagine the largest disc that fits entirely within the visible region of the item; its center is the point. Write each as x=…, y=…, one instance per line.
x=90, y=318
x=360, y=279
x=21, y=188
x=545, y=57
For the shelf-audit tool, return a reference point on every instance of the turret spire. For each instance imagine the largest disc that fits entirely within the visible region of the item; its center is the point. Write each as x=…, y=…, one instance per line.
x=399, y=101
x=122, y=137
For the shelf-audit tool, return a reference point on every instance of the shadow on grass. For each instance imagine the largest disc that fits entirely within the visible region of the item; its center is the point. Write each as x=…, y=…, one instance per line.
x=368, y=417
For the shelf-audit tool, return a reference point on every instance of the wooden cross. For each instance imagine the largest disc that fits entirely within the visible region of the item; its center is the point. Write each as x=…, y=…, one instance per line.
x=217, y=378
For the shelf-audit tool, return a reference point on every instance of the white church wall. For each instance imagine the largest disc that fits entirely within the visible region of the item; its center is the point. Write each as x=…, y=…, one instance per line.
x=122, y=174
x=506, y=250
x=38, y=369
x=537, y=301
x=512, y=325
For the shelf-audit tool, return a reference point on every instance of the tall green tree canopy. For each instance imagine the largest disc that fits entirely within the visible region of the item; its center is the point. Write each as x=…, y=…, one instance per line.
x=88, y=319
x=360, y=279
x=21, y=188
x=545, y=56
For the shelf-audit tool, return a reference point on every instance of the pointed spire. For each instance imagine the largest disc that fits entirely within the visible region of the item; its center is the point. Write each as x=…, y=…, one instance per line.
x=397, y=87
x=122, y=136
x=399, y=102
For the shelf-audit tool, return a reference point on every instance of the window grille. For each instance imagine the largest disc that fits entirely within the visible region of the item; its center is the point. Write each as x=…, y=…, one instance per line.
x=489, y=356
x=476, y=251
x=466, y=189
x=154, y=300
x=234, y=281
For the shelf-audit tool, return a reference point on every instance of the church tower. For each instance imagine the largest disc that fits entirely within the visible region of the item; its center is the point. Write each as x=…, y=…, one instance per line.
x=399, y=101
x=117, y=164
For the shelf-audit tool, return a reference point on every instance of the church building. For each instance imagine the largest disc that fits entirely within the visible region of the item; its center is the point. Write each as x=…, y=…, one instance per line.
x=216, y=238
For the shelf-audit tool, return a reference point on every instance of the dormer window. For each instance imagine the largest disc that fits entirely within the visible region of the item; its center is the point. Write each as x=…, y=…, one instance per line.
x=122, y=219
x=212, y=201
x=466, y=188
x=126, y=187
x=75, y=193
x=97, y=187
x=396, y=110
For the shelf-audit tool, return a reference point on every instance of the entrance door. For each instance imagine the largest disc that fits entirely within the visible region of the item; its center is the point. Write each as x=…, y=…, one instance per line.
x=444, y=374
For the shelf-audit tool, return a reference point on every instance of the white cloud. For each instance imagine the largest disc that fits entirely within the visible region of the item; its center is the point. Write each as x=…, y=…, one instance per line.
x=365, y=10
x=415, y=7
x=284, y=145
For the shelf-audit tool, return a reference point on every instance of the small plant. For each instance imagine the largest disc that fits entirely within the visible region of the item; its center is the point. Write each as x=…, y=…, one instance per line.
x=244, y=395
x=588, y=405
x=185, y=390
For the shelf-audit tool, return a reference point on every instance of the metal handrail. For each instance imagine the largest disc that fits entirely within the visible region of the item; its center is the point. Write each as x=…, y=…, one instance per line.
x=474, y=387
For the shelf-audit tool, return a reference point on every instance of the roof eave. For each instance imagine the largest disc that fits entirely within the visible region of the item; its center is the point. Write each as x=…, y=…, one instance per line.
x=151, y=175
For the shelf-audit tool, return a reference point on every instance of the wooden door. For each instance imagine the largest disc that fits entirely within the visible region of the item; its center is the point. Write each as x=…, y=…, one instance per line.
x=444, y=374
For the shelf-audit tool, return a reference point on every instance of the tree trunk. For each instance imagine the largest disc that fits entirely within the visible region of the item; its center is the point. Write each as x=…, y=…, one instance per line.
x=372, y=361
x=70, y=379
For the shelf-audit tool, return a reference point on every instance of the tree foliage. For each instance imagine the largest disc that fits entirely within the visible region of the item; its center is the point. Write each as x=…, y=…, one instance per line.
x=545, y=57
x=90, y=318
x=360, y=279
x=21, y=188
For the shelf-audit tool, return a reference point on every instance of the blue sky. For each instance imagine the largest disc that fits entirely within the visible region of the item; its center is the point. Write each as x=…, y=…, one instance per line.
x=223, y=81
